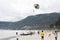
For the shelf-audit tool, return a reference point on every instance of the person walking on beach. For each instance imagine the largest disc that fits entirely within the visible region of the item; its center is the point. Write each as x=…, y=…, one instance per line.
x=42, y=35
x=56, y=35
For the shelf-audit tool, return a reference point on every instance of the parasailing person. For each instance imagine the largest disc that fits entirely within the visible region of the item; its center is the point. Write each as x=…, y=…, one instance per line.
x=36, y=7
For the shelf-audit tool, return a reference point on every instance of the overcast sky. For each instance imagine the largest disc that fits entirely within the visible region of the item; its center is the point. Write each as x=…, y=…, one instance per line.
x=14, y=10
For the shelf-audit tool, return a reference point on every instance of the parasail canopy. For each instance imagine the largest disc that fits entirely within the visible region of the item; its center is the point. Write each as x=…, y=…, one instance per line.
x=36, y=6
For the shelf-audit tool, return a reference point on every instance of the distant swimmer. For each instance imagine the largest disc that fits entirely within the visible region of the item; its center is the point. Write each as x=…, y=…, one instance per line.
x=42, y=35
x=38, y=32
x=49, y=34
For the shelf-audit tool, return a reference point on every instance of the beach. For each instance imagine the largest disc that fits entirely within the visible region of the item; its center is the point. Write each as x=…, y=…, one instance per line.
x=11, y=35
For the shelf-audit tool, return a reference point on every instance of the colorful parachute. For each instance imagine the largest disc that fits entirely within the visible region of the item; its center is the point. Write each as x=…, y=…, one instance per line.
x=36, y=6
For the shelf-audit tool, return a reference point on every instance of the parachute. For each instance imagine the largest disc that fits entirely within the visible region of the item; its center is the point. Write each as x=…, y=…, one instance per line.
x=36, y=6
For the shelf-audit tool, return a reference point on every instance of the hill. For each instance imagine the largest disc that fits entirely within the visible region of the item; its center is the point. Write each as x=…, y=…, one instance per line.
x=32, y=22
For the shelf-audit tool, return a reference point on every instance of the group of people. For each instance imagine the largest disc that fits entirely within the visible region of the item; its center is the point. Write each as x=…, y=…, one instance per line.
x=42, y=35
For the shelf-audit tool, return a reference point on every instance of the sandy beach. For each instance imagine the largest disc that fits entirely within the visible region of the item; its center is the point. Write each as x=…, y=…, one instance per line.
x=13, y=36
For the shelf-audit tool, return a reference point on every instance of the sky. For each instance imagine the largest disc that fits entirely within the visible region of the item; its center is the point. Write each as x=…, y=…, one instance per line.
x=15, y=10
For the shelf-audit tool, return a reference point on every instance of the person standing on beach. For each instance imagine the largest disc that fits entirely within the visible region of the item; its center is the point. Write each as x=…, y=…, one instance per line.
x=42, y=35
x=17, y=36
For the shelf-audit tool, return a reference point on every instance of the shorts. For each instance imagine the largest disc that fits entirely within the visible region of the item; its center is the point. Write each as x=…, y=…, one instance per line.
x=42, y=37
